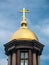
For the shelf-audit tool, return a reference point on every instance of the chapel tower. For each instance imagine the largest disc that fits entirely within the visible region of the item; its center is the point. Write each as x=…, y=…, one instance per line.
x=24, y=47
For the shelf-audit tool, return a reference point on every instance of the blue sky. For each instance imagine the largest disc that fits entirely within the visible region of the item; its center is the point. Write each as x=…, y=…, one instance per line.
x=38, y=22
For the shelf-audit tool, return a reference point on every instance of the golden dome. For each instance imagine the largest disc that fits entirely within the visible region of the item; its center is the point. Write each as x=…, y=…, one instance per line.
x=24, y=33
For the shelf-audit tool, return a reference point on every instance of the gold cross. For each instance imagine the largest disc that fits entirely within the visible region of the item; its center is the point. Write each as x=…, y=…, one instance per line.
x=24, y=11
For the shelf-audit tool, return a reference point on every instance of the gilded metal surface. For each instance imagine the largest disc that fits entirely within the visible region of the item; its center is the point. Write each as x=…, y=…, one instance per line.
x=24, y=11
x=24, y=33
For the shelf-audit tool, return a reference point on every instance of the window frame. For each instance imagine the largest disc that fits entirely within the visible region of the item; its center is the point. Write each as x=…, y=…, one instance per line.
x=24, y=59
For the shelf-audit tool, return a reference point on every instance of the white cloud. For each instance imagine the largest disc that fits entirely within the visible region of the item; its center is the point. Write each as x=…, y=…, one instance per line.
x=45, y=30
x=3, y=61
x=42, y=28
x=45, y=57
x=5, y=35
x=5, y=22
